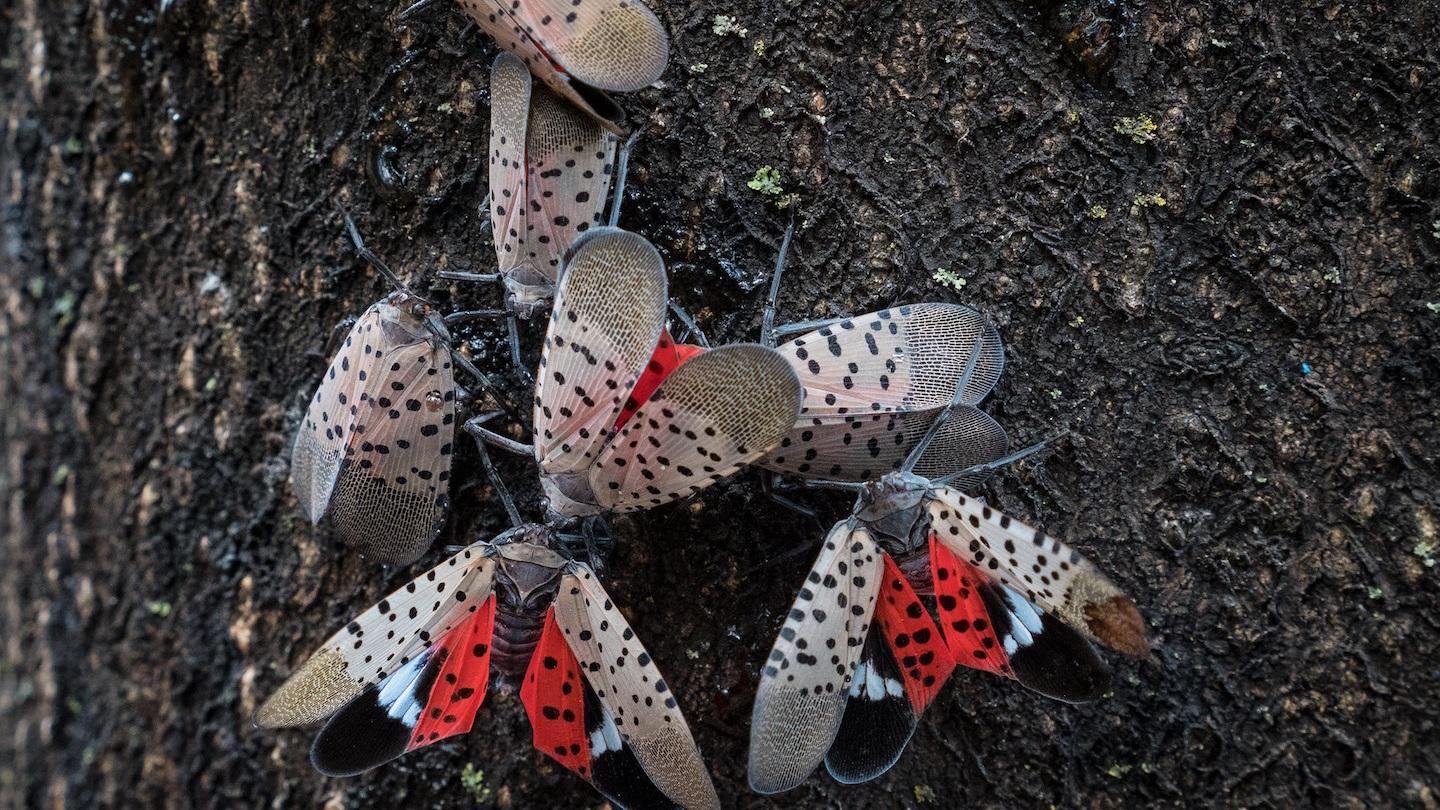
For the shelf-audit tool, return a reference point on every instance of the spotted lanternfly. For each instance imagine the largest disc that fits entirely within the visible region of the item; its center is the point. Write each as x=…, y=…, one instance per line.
x=580, y=48
x=373, y=451
x=875, y=383
x=550, y=168
x=859, y=657
x=415, y=668
x=608, y=442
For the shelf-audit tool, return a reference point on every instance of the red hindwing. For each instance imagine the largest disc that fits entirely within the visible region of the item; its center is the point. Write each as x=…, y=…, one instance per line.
x=925, y=661
x=668, y=356
x=963, y=615
x=554, y=698
x=460, y=685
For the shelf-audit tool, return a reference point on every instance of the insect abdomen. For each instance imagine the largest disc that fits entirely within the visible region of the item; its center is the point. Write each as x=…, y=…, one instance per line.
x=516, y=636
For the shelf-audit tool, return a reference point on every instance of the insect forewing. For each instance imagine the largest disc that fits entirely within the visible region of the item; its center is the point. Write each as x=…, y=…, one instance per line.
x=635, y=698
x=386, y=410
x=320, y=441
x=863, y=447
x=381, y=640
x=718, y=411
x=569, y=163
x=616, y=45
x=874, y=383
x=431, y=696
x=990, y=627
x=509, y=118
x=609, y=310
x=805, y=681
x=1038, y=567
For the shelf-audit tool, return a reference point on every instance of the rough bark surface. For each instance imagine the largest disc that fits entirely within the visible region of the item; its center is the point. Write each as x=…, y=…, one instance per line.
x=1232, y=318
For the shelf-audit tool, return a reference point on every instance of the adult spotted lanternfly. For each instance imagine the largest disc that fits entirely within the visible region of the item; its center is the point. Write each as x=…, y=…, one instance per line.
x=607, y=443
x=374, y=448
x=859, y=657
x=875, y=383
x=580, y=48
x=550, y=169
x=415, y=668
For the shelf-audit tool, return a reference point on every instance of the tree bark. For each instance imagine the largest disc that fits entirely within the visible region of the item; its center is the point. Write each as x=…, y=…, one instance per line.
x=1214, y=264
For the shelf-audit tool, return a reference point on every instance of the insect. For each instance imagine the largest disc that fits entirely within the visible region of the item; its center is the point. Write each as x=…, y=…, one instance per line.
x=604, y=441
x=581, y=50
x=874, y=384
x=373, y=450
x=515, y=611
x=550, y=169
x=859, y=657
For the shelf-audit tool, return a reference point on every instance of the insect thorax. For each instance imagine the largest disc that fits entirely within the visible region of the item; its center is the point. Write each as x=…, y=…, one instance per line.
x=402, y=319
x=569, y=495
x=529, y=292
x=893, y=510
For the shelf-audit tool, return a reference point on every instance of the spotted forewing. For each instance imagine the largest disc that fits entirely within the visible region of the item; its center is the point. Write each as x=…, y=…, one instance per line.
x=580, y=48
x=373, y=451
x=550, y=170
x=874, y=383
x=415, y=668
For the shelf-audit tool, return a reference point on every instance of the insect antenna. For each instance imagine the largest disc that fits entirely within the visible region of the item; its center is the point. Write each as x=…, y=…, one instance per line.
x=372, y=259
x=767, y=321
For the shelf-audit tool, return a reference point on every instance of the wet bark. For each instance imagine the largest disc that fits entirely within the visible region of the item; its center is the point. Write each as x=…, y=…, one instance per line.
x=1208, y=233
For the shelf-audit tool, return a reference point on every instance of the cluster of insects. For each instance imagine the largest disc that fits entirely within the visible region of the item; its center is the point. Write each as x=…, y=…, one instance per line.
x=917, y=580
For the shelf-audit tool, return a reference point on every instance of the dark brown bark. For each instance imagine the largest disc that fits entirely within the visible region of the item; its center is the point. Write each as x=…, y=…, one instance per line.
x=173, y=264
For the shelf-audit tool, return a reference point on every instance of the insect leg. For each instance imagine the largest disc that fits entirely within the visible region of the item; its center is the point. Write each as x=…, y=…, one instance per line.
x=461, y=275
x=414, y=9
x=769, y=484
x=767, y=322
x=473, y=427
x=692, y=329
x=622, y=168
x=512, y=333
x=473, y=315
x=500, y=488
x=986, y=468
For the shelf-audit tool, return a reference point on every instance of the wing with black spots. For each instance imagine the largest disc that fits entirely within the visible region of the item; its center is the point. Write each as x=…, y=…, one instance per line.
x=635, y=703
x=990, y=627
x=905, y=664
x=609, y=310
x=616, y=45
x=569, y=160
x=320, y=441
x=510, y=90
x=909, y=358
x=1039, y=568
x=718, y=411
x=432, y=696
x=384, y=639
x=863, y=447
x=393, y=491
x=668, y=356
x=805, y=680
